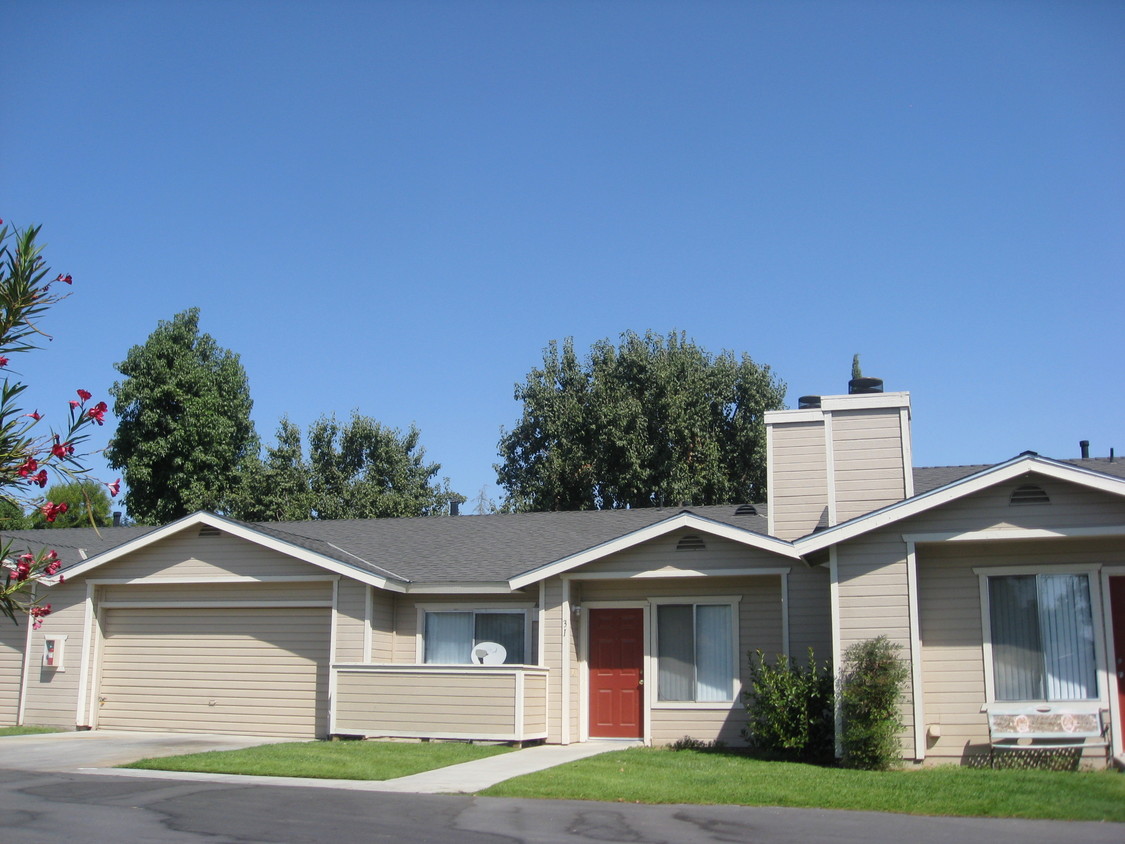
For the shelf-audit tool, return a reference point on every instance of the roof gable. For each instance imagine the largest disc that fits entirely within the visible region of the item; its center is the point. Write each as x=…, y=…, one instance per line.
x=290, y=546
x=684, y=519
x=975, y=482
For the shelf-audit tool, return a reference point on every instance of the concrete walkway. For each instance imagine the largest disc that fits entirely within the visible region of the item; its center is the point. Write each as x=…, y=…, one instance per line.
x=466, y=778
x=98, y=751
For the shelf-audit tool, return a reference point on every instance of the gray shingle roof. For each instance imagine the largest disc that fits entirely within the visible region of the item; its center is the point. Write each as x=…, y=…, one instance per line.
x=490, y=548
x=469, y=548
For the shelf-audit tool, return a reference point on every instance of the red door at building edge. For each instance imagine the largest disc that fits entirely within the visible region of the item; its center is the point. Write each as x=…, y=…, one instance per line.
x=616, y=673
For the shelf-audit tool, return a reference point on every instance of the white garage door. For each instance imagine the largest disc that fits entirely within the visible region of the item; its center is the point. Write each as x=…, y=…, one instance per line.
x=246, y=671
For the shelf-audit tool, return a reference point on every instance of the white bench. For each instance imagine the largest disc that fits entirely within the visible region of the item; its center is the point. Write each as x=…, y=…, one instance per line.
x=1045, y=727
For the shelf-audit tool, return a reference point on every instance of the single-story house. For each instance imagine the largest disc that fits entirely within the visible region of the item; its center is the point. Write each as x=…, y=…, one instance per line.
x=1003, y=584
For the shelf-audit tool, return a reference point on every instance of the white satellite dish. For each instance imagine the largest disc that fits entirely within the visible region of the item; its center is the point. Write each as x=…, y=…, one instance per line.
x=489, y=653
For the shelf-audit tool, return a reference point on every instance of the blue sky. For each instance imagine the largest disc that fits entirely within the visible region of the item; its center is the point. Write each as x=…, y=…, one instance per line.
x=394, y=206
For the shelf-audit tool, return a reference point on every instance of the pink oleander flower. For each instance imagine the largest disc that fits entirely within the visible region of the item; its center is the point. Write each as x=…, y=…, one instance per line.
x=74, y=403
x=40, y=479
x=23, y=566
x=3, y=361
x=39, y=613
x=65, y=279
x=28, y=468
x=114, y=488
x=84, y=395
x=52, y=511
x=61, y=450
x=97, y=412
x=52, y=568
x=35, y=414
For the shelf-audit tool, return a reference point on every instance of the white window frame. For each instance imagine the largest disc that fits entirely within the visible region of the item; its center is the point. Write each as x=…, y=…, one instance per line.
x=1097, y=621
x=731, y=601
x=420, y=637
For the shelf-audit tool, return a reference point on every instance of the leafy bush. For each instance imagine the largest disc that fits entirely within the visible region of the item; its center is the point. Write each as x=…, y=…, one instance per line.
x=870, y=691
x=790, y=708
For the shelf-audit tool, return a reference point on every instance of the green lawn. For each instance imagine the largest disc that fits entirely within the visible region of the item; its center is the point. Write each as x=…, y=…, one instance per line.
x=27, y=731
x=647, y=775
x=346, y=760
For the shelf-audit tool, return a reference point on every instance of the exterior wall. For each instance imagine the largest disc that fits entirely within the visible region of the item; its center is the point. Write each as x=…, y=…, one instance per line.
x=657, y=570
x=501, y=704
x=829, y=464
x=167, y=569
x=555, y=621
x=870, y=469
x=13, y=640
x=350, y=621
x=798, y=480
x=382, y=625
x=51, y=696
x=872, y=590
x=953, y=667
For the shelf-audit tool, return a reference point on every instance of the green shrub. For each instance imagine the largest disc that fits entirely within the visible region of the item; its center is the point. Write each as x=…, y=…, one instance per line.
x=870, y=691
x=790, y=708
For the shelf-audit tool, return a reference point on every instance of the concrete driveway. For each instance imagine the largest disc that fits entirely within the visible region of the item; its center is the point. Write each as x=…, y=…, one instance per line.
x=105, y=748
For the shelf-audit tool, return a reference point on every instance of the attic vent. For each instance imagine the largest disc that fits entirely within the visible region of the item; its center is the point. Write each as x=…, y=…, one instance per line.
x=746, y=510
x=691, y=542
x=207, y=530
x=1029, y=494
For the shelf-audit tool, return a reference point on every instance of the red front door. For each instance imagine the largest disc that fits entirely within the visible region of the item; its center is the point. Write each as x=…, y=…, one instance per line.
x=1117, y=605
x=616, y=673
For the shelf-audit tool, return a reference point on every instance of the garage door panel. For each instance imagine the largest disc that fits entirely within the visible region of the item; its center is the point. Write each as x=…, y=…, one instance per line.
x=256, y=671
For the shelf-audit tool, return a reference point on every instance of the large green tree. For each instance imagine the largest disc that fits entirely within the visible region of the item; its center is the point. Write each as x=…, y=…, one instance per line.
x=185, y=435
x=360, y=469
x=654, y=421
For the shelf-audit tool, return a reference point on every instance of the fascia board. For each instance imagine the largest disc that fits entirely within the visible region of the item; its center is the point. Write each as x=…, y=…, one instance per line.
x=653, y=531
x=1000, y=473
x=242, y=532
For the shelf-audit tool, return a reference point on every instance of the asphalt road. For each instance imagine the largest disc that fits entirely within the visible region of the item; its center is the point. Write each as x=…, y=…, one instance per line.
x=42, y=807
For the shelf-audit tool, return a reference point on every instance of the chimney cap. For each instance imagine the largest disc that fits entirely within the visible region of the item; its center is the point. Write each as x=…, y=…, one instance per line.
x=862, y=386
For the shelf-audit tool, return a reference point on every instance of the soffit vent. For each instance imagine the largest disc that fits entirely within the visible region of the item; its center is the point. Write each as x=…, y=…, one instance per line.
x=746, y=510
x=207, y=530
x=1029, y=494
x=691, y=542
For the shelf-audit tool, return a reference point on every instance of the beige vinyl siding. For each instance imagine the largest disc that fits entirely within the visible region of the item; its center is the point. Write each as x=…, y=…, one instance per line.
x=874, y=599
x=13, y=640
x=217, y=593
x=873, y=589
x=250, y=671
x=188, y=555
x=52, y=695
x=556, y=629
x=351, y=613
x=759, y=624
x=868, y=461
x=437, y=703
x=535, y=704
x=951, y=628
x=382, y=625
x=1071, y=506
x=799, y=481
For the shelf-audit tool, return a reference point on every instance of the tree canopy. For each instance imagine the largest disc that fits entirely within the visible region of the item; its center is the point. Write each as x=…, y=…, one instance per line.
x=185, y=435
x=654, y=421
x=355, y=470
x=87, y=503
